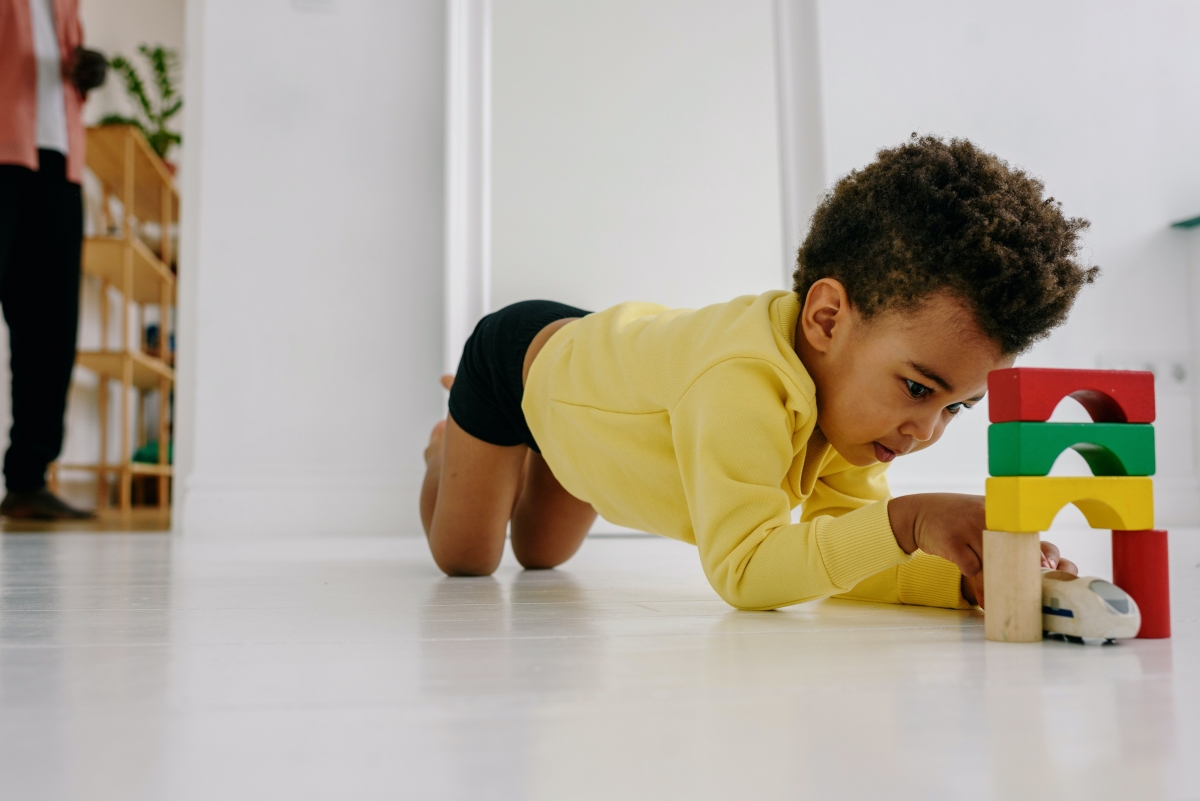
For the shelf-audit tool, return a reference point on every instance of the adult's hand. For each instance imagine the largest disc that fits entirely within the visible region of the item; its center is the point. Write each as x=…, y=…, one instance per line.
x=88, y=69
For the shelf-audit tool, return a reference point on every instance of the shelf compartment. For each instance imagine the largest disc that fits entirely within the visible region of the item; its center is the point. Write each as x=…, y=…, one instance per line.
x=104, y=257
x=147, y=370
x=106, y=149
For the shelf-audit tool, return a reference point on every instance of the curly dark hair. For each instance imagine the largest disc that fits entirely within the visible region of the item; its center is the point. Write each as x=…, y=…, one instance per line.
x=931, y=216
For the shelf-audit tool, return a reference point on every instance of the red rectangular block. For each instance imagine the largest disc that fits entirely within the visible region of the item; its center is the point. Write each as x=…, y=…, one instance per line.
x=1030, y=394
x=1141, y=568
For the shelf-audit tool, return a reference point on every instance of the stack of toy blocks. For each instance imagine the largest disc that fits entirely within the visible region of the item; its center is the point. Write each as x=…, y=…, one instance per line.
x=1022, y=500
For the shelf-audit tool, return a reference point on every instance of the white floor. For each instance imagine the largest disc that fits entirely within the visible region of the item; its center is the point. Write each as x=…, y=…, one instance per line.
x=144, y=667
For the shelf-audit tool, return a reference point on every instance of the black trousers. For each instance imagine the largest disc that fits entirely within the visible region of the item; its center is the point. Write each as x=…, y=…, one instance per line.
x=41, y=238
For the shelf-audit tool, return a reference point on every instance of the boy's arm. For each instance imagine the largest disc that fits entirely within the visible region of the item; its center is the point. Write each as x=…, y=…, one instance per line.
x=924, y=580
x=732, y=433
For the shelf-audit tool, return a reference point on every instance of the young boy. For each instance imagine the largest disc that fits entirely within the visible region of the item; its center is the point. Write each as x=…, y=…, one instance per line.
x=921, y=273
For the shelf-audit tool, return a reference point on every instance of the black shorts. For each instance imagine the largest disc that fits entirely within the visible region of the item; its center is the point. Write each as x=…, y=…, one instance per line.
x=486, y=398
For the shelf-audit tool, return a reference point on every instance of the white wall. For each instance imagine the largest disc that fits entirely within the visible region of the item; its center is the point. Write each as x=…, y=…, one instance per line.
x=311, y=258
x=634, y=151
x=1099, y=99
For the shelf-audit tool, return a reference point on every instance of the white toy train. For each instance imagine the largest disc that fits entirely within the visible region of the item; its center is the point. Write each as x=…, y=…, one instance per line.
x=1085, y=609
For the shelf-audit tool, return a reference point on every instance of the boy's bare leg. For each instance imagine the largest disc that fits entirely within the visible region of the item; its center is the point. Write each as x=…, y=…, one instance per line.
x=472, y=489
x=548, y=523
x=468, y=495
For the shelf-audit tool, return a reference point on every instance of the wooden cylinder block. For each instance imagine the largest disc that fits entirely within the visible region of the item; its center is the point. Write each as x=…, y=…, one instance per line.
x=1140, y=567
x=1012, y=585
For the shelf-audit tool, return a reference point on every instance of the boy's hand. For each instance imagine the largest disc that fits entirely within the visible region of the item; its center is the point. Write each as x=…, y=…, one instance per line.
x=951, y=526
x=972, y=588
x=942, y=524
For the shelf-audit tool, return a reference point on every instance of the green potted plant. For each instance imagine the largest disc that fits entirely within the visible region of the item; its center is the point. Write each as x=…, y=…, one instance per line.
x=151, y=116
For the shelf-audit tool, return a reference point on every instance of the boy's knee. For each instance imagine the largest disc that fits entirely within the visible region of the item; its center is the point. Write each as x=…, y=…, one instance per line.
x=461, y=562
x=536, y=563
x=457, y=568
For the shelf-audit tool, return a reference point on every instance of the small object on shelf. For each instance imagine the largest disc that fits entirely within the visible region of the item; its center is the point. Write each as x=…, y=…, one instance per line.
x=152, y=339
x=148, y=453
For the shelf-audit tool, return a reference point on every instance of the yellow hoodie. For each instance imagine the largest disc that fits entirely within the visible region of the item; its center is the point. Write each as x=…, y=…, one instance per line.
x=701, y=425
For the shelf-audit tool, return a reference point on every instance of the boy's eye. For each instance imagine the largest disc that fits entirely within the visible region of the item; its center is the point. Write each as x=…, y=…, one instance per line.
x=955, y=408
x=917, y=390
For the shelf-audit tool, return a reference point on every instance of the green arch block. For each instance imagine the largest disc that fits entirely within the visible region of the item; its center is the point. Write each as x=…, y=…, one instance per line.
x=1111, y=449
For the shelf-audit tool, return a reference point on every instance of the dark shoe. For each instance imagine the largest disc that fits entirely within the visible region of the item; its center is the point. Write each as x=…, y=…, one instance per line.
x=40, y=505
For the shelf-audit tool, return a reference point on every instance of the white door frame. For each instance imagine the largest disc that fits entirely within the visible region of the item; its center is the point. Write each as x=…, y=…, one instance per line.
x=468, y=268
x=468, y=276
x=801, y=121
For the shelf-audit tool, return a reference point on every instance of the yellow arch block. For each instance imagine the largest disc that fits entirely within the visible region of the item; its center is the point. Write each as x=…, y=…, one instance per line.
x=1029, y=503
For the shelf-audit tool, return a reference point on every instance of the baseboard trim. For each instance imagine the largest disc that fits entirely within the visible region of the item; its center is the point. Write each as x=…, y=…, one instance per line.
x=303, y=505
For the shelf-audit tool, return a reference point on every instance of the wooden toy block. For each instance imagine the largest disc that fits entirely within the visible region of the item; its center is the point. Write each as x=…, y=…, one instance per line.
x=1140, y=567
x=1111, y=449
x=1030, y=394
x=1012, y=580
x=1030, y=503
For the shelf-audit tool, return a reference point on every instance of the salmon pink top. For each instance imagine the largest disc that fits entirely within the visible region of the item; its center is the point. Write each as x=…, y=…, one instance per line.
x=19, y=84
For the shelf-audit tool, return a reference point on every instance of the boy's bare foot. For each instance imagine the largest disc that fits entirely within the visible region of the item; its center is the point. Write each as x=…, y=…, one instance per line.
x=439, y=429
x=436, y=436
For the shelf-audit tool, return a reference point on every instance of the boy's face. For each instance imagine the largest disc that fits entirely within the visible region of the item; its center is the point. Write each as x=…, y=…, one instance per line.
x=890, y=385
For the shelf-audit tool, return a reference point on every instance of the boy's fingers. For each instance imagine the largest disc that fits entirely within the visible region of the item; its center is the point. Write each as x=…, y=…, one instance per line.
x=1050, y=554
x=1067, y=566
x=447, y=381
x=967, y=560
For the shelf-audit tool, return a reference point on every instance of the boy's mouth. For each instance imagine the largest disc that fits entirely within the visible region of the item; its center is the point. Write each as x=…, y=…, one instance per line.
x=883, y=453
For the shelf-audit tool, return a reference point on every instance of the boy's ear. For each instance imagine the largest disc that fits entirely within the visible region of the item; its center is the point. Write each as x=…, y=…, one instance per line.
x=825, y=309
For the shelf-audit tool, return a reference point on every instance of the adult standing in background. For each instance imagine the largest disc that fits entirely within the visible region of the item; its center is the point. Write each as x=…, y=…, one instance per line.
x=45, y=74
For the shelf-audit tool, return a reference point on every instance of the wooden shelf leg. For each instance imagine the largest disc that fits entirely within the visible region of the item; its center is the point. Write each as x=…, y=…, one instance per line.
x=126, y=492
x=126, y=456
x=164, y=347
x=1012, y=581
x=164, y=438
x=106, y=215
x=102, y=473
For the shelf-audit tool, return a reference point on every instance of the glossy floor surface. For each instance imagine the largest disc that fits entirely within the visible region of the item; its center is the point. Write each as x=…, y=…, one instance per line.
x=140, y=666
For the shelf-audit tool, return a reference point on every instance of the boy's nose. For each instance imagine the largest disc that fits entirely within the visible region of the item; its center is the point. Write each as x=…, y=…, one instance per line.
x=922, y=429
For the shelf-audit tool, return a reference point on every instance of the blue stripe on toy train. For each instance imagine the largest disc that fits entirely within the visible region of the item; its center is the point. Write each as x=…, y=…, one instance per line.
x=1047, y=610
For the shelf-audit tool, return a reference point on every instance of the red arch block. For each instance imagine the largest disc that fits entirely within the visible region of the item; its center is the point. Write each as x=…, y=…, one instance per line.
x=1029, y=394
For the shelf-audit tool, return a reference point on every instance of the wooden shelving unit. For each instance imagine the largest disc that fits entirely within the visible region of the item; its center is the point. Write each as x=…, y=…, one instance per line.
x=132, y=173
